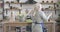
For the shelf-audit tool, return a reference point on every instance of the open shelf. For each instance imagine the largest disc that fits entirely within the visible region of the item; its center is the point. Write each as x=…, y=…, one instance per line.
x=47, y=3
x=48, y=9
x=15, y=3
x=13, y=9
x=12, y=3
x=57, y=8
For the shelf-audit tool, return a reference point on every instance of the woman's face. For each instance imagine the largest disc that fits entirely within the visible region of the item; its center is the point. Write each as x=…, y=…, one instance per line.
x=36, y=8
x=39, y=7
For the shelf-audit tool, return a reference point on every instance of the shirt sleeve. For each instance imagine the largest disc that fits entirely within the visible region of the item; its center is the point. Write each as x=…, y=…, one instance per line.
x=43, y=16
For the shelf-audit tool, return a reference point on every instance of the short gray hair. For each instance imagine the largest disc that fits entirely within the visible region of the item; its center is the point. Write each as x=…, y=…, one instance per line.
x=38, y=6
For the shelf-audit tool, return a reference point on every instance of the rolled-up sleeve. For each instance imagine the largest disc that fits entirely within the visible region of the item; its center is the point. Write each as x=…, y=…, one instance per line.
x=43, y=16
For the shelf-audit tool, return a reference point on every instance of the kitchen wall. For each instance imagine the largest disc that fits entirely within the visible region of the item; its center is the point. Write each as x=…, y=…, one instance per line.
x=28, y=6
x=31, y=6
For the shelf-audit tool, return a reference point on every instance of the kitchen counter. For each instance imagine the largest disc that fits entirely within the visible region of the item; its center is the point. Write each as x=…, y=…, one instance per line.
x=49, y=25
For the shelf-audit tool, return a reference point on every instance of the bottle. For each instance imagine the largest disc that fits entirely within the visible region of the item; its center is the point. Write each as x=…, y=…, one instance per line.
x=42, y=1
x=51, y=1
x=19, y=11
x=7, y=1
x=47, y=1
x=12, y=2
x=18, y=1
x=42, y=9
x=10, y=7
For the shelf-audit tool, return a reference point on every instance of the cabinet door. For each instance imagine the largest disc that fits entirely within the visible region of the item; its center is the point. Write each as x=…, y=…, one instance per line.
x=50, y=27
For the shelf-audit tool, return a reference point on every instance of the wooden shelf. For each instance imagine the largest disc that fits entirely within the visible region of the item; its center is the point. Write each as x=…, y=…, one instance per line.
x=6, y=3
x=48, y=3
x=9, y=22
x=58, y=8
x=12, y=3
x=13, y=9
x=15, y=3
x=48, y=10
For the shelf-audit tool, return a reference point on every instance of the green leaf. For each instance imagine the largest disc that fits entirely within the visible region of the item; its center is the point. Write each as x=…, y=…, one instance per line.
x=28, y=20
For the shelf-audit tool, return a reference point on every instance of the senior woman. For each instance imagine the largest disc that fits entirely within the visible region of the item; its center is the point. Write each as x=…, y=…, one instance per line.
x=39, y=17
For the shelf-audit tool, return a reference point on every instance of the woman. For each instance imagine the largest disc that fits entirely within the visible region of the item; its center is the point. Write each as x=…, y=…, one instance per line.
x=39, y=17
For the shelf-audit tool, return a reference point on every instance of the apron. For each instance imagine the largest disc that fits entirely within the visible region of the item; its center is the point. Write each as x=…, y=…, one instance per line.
x=38, y=26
